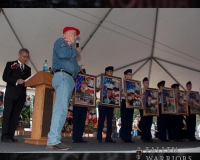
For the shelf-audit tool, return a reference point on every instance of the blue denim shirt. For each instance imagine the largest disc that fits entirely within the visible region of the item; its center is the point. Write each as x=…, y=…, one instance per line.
x=64, y=57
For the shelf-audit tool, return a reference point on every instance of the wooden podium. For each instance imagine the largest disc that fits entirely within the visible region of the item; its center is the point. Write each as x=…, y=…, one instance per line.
x=43, y=105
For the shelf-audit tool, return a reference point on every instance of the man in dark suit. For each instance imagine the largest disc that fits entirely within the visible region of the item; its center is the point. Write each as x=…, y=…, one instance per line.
x=14, y=75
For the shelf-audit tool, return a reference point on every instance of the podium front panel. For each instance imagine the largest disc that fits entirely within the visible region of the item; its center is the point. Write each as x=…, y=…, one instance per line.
x=47, y=114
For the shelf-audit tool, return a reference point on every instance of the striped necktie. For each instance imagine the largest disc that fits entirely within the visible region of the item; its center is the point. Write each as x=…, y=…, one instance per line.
x=22, y=69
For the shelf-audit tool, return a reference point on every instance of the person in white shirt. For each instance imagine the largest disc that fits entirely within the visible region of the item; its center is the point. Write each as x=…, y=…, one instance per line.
x=105, y=111
x=126, y=114
x=191, y=118
x=146, y=121
x=162, y=119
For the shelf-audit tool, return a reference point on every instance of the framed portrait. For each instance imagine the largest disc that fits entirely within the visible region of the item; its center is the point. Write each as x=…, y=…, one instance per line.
x=195, y=102
x=168, y=101
x=182, y=103
x=110, y=93
x=1, y=107
x=134, y=95
x=85, y=90
x=151, y=102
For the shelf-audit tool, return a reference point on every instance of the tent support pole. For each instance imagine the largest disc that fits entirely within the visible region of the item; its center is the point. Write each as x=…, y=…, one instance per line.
x=168, y=73
x=153, y=45
x=177, y=64
x=129, y=64
x=17, y=36
x=141, y=66
x=97, y=28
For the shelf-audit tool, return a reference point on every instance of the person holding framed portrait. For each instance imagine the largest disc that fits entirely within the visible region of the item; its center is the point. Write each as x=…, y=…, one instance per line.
x=162, y=119
x=126, y=113
x=79, y=117
x=105, y=111
x=146, y=121
x=191, y=118
x=176, y=119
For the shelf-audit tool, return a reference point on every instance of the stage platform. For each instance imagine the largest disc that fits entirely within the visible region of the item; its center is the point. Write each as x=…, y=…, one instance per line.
x=92, y=146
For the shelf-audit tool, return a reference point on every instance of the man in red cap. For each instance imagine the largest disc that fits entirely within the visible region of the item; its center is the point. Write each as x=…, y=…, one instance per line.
x=65, y=68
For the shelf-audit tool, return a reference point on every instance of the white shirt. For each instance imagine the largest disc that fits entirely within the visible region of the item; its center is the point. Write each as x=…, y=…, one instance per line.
x=98, y=81
x=160, y=96
x=123, y=90
x=21, y=64
x=118, y=122
x=20, y=68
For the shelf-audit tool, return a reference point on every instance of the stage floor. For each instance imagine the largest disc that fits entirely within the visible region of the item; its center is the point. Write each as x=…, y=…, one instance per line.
x=92, y=146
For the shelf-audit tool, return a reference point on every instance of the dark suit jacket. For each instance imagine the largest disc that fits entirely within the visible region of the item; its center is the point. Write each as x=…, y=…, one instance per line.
x=10, y=76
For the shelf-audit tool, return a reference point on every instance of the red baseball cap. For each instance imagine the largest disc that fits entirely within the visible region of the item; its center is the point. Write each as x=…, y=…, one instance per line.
x=71, y=28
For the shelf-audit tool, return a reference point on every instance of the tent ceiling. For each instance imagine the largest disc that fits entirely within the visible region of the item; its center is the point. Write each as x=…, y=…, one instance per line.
x=117, y=37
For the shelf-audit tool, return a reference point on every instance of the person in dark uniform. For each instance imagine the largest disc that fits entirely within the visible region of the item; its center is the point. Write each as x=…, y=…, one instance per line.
x=146, y=121
x=126, y=113
x=162, y=119
x=14, y=75
x=176, y=119
x=105, y=111
x=191, y=118
x=79, y=116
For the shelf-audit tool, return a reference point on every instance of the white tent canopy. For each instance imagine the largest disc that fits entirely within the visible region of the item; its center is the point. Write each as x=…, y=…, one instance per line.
x=162, y=44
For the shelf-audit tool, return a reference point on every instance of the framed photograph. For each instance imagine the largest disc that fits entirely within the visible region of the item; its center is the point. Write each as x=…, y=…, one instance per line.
x=168, y=101
x=110, y=93
x=151, y=102
x=182, y=103
x=134, y=95
x=195, y=102
x=85, y=90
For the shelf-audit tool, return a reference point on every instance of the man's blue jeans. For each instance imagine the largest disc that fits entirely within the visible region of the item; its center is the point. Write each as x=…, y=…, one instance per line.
x=135, y=133
x=63, y=85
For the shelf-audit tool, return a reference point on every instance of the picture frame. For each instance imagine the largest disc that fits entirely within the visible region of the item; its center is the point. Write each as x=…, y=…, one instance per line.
x=110, y=94
x=85, y=90
x=195, y=104
x=134, y=93
x=168, y=102
x=182, y=103
x=151, y=102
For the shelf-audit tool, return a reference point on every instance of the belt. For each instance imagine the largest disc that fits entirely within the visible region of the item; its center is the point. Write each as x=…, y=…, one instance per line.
x=62, y=70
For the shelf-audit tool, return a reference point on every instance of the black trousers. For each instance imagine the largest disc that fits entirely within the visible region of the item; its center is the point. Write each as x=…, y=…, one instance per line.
x=191, y=125
x=103, y=112
x=169, y=128
x=79, y=116
x=12, y=109
x=126, y=121
x=162, y=121
x=146, y=122
x=177, y=122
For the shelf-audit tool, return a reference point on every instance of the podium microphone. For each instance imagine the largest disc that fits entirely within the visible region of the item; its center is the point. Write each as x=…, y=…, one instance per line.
x=77, y=43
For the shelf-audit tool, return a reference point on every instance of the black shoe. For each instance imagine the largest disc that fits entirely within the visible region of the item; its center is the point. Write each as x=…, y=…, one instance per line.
x=152, y=141
x=59, y=146
x=164, y=140
x=83, y=141
x=99, y=141
x=75, y=141
x=14, y=140
x=194, y=140
x=177, y=140
x=8, y=140
x=128, y=141
x=110, y=141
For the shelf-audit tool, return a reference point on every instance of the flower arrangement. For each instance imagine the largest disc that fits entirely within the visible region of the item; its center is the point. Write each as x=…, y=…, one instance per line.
x=15, y=65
